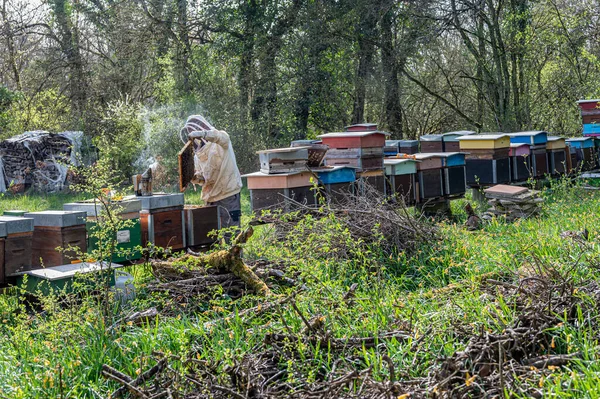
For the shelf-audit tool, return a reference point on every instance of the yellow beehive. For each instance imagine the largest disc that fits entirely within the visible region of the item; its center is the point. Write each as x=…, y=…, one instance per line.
x=556, y=143
x=484, y=142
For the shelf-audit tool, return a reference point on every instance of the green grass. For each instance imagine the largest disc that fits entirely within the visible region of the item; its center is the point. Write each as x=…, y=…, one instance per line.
x=72, y=343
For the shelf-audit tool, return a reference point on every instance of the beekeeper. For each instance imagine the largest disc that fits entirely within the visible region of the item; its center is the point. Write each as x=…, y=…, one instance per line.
x=215, y=168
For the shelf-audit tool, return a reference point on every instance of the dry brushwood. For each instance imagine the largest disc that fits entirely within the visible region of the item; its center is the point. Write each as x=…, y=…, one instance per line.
x=223, y=260
x=369, y=217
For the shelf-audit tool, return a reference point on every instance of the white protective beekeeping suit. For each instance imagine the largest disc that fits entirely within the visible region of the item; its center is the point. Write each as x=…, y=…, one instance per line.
x=214, y=159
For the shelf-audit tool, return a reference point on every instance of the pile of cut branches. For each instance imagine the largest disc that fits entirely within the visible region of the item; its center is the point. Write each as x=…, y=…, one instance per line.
x=369, y=217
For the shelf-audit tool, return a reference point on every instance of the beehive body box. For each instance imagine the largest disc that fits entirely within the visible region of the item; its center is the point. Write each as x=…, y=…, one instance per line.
x=450, y=159
x=432, y=143
x=557, y=160
x=2, y=240
x=128, y=239
x=335, y=175
x=430, y=184
x=520, y=167
x=556, y=143
x=281, y=160
x=18, y=244
x=409, y=146
x=279, y=198
x=374, y=178
x=531, y=138
x=428, y=161
x=162, y=220
x=199, y=222
x=455, y=181
x=484, y=142
x=54, y=229
x=260, y=181
x=395, y=167
x=61, y=277
x=483, y=171
x=354, y=140
x=589, y=104
x=519, y=150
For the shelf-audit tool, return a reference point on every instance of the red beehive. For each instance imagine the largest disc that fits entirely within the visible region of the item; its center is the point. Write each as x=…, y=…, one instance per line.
x=354, y=139
x=588, y=105
x=362, y=127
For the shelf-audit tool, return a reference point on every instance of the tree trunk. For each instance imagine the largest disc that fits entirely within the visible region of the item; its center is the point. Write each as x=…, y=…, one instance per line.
x=183, y=48
x=366, y=50
x=393, y=110
x=69, y=43
x=10, y=46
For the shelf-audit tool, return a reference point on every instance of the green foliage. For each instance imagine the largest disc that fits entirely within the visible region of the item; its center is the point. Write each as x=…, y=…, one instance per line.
x=119, y=139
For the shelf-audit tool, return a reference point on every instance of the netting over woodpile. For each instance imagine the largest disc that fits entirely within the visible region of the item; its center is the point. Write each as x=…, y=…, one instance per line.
x=39, y=160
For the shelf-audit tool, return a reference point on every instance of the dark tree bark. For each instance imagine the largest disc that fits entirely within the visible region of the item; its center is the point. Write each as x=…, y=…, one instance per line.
x=183, y=48
x=366, y=49
x=9, y=40
x=68, y=35
x=393, y=110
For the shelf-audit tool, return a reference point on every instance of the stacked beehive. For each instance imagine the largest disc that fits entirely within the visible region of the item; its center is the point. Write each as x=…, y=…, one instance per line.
x=590, y=113
x=450, y=140
x=512, y=202
x=57, y=229
x=361, y=147
x=18, y=237
x=129, y=239
x=537, y=141
x=582, y=153
x=487, y=158
x=557, y=155
x=409, y=146
x=401, y=178
x=283, y=178
x=162, y=220
x=432, y=143
x=520, y=162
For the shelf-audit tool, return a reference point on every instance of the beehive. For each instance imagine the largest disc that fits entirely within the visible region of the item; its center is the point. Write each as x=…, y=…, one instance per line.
x=283, y=160
x=583, y=148
x=280, y=191
x=431, y=143
x=57, y=229
x=520, y=162
x=127, y=239
x=337, y=182
x=484, y=142
x=162, y=220
x=199, y=222
x=18, y=244
x=450, y=139
x=401, y=176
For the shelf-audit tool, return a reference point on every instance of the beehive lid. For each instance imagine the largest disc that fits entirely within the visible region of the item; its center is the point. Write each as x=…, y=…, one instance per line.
x=57, y=218
x=160, y=200
x=352, y=134
x=588, y=101
x=16, y=224
x=282, y=150
x=431, y=137
x=478, y=137
x=517, y=145
x=69, y=271
x=93, y=208
x=2, y=229
x=362, y=127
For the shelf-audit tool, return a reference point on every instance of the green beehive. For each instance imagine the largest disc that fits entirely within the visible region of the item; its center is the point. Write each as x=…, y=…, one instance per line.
x=129, y=239
x=60, y=278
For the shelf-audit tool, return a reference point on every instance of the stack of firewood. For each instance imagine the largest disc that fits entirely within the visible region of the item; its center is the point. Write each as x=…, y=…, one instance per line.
x=512, y=202
x=36, y=159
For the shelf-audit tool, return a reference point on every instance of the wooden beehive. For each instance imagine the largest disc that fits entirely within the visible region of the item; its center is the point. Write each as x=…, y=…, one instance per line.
x=583, y=148
x=428, y=161
x=401, y=178
x=2, y=240
x=520, y=162
x=409, y=146
x=18, y=244
x=450, y=139
x=373, y=178
x=432, y=143
x=431, y=184
x=57, y=229
x=199, y=222
x=354, y=140
x=539, y=158
x=128, y=240
x=484, y=142
x=488, y=171
x=362, y=127
x=280, y=191
x=455, y=181
x=336, y=182
x=161, y=219
x=532, y=138
x=589, y=105
x=283, y=160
